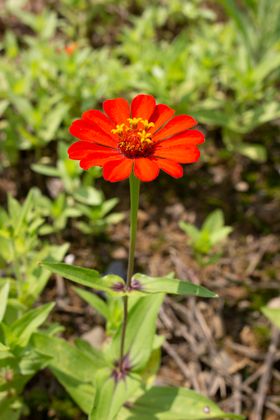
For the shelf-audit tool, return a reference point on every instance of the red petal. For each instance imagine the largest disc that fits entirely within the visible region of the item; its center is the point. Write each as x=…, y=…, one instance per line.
x=160, y=116
x=187, y=138
x=93, y=160
x=91, y=154
x=87, y=131
x=143, y=106
x=170, y=167
x=145, y=169
x=80, y=149
x=181, y=153
x=117, y=110
x=98, y=118
x=117, y=169
x=175, y=126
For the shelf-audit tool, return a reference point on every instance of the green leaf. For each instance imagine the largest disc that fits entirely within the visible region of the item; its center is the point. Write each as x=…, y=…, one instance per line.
x=94, y=301
x=68, y=358
x=6, y=249
x=242, y=22
x=114, y=218
x=47, y=24
x=212, y=117
x=255, y=152
x=3, y=348
x=214, y=221
x=24, y=211
x=148, y=284
x=140, y=331
x=14, y=208
x=75, y=367
x=45, y=170
x=23, y=328
x=149, y=372
x=4, y=293
x=82, y=393
x=111, y=395
x=3, y=105
x=53, y=120
x=268, y=64
x=5, y=353
x=190, y=230
x=85, y=276
x=273, y=314
x=168, y=403
x=220, y=234
x=108, y=205
x=266, y=112
x=88, y=195
x=31, y=362
x=93, y=352
x=203, y=243
x=10, y=407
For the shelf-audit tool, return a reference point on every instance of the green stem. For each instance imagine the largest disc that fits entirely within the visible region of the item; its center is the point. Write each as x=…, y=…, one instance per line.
x=17, y=274
x=134, y=204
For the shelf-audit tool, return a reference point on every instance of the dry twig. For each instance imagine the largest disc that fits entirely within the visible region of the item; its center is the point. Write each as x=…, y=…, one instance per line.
x=260, y=398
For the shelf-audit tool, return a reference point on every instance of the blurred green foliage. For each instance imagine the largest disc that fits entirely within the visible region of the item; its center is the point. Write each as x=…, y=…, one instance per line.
x=273, y=314
x=21, y=250
x=77, y=197
x=19, y=360
x=219, y=63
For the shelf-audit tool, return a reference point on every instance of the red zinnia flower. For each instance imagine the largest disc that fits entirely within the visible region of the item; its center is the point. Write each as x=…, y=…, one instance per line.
x=143, y=138
x=71, y=48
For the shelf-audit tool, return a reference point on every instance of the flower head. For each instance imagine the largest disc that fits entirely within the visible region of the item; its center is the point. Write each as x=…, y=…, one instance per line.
x=71, y=48
x=143, y=138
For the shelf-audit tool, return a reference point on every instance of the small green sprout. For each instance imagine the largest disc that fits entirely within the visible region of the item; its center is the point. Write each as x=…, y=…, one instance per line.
x=204, y=240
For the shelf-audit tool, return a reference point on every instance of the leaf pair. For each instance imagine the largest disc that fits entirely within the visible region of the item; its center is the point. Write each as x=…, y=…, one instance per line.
x=114, y=285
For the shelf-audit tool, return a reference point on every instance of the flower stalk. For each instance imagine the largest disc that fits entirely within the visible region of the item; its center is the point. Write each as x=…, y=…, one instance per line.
x=134, y=184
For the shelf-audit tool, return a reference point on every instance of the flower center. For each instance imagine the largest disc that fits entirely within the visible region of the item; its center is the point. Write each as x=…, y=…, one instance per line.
x=134, y=138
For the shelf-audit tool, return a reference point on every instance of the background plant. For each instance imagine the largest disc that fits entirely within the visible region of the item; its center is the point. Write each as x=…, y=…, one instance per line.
x=204, y=240
x=233, y=87
x=21, y=251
